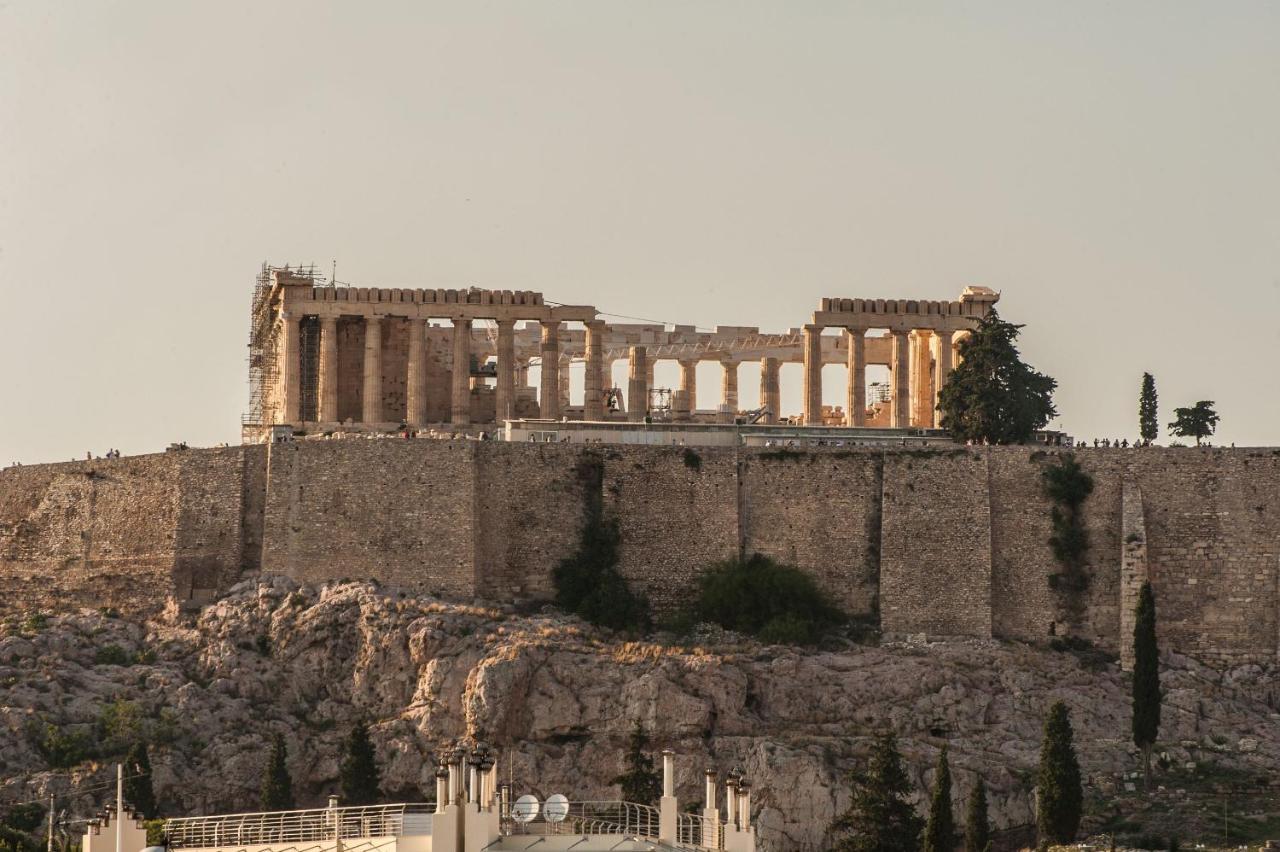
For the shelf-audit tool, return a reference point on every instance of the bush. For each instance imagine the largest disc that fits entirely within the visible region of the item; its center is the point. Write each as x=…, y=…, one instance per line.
x=61, y=749
x=111, y=655
x=757, y=596
x=119, y=726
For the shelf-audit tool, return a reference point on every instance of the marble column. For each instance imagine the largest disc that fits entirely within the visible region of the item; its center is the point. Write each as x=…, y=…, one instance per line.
x=900, y=378
x=563, y=373
x=291, y=353
x=415, y=410
x=328, y=411
x=593, y=393
x=942, y=369
x=812, y=375
x=922, y=378
x=549, y=398
x=688, y=401
x=856, y=398
x=638, y=384
x=504, y=395
x=770, y=390
x=728, y=390
x=372, y=395
x=460, y=386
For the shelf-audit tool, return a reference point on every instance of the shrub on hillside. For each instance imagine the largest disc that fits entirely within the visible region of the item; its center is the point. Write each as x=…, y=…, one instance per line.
x=757, y=596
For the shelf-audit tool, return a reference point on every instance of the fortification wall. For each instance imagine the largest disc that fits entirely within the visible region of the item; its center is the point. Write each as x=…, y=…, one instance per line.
x=126, y=533
x=530, y=509
x=936, y=544
x=402, y=512
x=948, y=542
x=819, y=511
x=675, y=517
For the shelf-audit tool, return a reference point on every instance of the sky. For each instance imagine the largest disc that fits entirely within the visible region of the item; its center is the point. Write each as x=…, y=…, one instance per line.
x=1113, y=169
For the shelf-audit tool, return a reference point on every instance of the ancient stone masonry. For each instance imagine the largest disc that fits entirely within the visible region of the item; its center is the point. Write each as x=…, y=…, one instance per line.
x=950, y=542
x=373, y=358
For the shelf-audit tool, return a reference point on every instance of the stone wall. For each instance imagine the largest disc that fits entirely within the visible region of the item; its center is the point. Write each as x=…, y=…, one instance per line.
x=946, y=542
x=400, y=511
x=128, y=533
x=936, y=544
x=819, y=511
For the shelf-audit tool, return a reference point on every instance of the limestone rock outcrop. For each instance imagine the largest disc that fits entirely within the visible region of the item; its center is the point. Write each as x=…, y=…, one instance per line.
x=558, y=699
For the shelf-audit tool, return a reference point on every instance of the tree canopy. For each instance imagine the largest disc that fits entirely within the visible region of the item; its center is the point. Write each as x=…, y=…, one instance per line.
x=1059, y=795
x=1148, y=422
x=137, y=784
x=1199, y=421
x=277, y=786
x=940, y=830
x=880, y=819
x=359, y=775
x=992, y=395
x=641, y=783
x=977, y=823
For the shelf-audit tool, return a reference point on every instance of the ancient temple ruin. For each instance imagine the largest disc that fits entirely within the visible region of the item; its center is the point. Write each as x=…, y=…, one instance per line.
x=325, y=356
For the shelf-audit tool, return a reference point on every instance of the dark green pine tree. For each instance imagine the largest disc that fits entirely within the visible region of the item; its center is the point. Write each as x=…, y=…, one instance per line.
x=1146, y=678
x=940, y=830
x=1148, y=421
x=1059, y=796
x=992, y=395
x=641, y=783
x=977, y=826
x=880, y=819
x=359, y=772
x=138, y=791
x=277, y=786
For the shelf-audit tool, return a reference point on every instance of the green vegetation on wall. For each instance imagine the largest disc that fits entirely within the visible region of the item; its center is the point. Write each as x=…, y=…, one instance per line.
x=588, y=583
x=1068, y=485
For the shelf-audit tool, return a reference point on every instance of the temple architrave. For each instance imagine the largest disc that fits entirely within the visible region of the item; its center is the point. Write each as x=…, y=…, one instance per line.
x=325, y=357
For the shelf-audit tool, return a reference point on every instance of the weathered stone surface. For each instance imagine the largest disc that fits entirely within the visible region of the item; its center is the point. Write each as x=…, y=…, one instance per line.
x=945, y=542
x=559, y=700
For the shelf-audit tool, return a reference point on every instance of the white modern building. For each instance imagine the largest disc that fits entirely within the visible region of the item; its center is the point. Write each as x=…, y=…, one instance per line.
x=474, y=813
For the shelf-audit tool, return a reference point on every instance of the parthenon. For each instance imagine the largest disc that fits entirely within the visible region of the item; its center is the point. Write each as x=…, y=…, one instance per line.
x=324, y=357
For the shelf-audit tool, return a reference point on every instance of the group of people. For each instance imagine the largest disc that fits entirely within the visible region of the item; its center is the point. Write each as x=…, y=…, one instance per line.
x=1106, y=443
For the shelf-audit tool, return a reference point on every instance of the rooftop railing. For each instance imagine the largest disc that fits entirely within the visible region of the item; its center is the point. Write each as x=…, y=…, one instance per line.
x=294, y=827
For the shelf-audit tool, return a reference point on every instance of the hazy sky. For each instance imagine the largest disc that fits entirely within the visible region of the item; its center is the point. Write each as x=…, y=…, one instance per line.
x=1112, y=168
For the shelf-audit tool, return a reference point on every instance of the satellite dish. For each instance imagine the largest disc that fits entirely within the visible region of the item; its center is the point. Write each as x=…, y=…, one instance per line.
x=556, y=808
x=525, y=809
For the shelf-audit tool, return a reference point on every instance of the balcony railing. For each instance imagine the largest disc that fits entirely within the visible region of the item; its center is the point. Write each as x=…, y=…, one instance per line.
x=293, y=827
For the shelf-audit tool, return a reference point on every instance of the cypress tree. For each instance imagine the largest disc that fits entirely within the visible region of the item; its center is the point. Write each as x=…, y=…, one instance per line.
x=940, y=830
x=358, y=772
x=138, y=791
x=277, y=786
x=1148, y=422
x=1059, y=795
x=880, y=819
x=977, y=826
x=641, y=783
x=1146, y=678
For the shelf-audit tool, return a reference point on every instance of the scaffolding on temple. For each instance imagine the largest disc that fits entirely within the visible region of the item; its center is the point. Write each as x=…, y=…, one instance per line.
x=264, y=342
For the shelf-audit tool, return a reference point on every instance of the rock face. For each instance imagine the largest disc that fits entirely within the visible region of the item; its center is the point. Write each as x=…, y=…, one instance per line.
x=558, y=700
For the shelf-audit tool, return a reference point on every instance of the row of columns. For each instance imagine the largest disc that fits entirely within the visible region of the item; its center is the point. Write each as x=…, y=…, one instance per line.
x=900, y=369
x=554, y=380
x=684, y=400
x=460, y=389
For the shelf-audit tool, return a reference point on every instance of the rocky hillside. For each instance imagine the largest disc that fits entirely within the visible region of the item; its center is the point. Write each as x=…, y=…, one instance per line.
x=558, y=700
